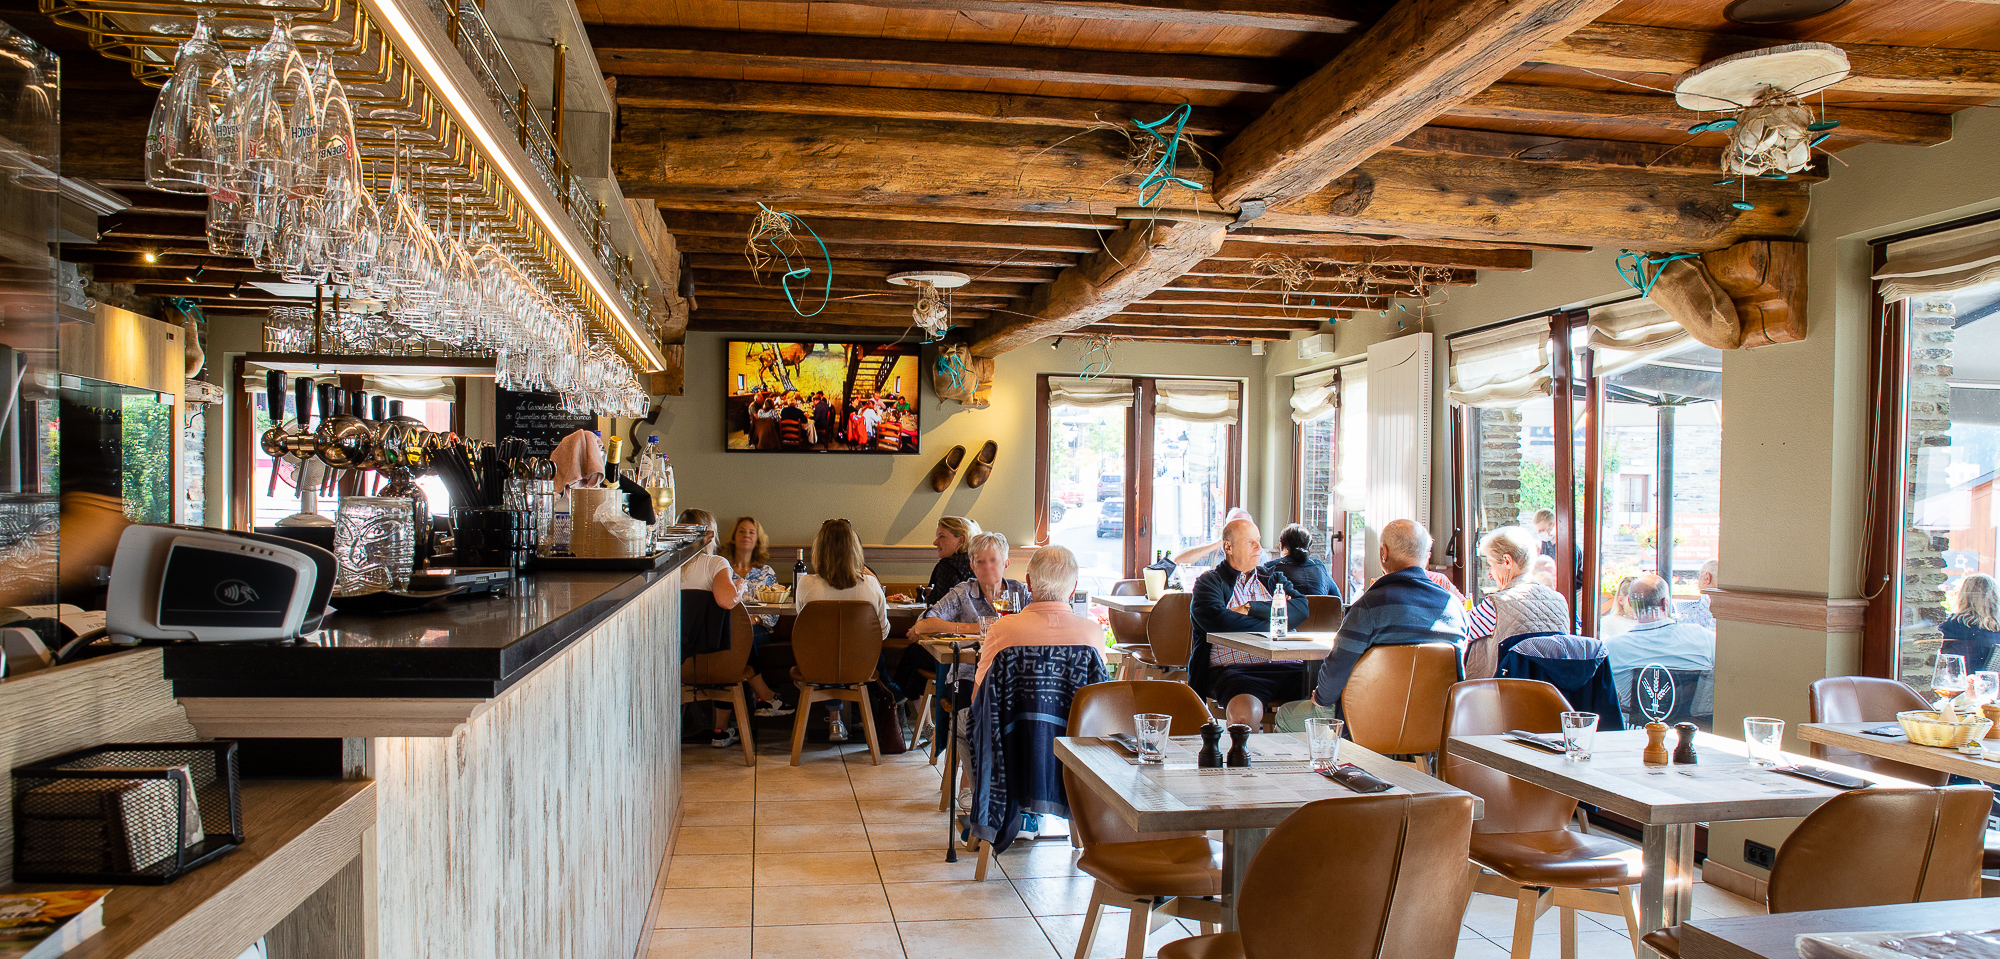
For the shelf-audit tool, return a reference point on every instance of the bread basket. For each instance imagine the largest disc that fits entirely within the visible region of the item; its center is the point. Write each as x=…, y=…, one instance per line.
x=1925, y=728
x=772, y=594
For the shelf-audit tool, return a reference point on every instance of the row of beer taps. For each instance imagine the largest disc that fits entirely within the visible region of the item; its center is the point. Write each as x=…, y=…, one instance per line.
x=346, y=439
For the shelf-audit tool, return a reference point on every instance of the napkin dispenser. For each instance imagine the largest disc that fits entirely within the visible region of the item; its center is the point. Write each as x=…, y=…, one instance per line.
x=214, y=585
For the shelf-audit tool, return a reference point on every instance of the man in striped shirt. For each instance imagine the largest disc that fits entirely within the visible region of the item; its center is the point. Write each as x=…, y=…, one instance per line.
x=1403, y=606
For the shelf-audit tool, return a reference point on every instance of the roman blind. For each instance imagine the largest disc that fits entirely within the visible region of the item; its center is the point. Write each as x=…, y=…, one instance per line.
x=1625, y=335
x=1941, y=262
x=1196, y=401
x=1313, y=396
x=1504, y=366
x=1099, y=392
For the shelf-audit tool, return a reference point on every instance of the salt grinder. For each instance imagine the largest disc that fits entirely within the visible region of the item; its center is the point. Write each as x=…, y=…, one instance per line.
x=1239, y=746
x=1656, y=744
x=1684, y=753
x=1210, y=756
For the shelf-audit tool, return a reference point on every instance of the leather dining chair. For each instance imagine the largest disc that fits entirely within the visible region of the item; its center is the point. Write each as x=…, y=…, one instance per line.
x=1172, y=872
x=1128, y=630
x=719, y=677
x=1352, y=878
x=1170, y=636
x=1874, y=847
x=1326, y=615
x=1865, y=699
x=1522, y=848
x=1394, y=700
x=837, y=644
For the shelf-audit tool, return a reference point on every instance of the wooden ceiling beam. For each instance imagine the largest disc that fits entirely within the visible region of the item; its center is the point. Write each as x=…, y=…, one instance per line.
x=1337, y=291
x=813, y=211
x=1299, y=16
x=836, y=306
x=1433, y=276
x=1344, y=304
x=1335, y=252
x=1533, y=103
x=758, y=322
x=995, y=61
x=1876, y=69
x=724, y=296
x=1576, y=151
x=1415, y=62
x=705, y=280
x=1176, y=334
x=1136, y=261
x=837, y=233
x=963, y=255
x=1298, y=317
x=879, y=268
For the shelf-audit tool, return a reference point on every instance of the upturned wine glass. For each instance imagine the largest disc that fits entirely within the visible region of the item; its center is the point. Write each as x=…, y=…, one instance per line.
x=190, y=142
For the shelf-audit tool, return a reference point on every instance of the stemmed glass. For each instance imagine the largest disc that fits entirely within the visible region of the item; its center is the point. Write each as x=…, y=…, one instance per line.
x=1948, y=676
x=190, y=142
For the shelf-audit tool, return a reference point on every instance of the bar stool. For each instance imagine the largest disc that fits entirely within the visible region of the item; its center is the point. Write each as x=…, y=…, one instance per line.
x=1394, y=700
x=837, y=644
x=1874, y=847
x=1353, y=878
x=719, y=677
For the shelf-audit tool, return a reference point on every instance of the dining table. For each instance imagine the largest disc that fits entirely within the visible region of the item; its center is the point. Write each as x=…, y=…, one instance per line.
x=1776, y=936
x=1667, y=802
x=1308, y=649
x=1892, y=744
x=1125, y=604
x=1244, y=803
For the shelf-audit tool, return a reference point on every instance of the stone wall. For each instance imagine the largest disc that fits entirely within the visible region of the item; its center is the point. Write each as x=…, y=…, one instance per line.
x=1499, y=493
x=1929, y=431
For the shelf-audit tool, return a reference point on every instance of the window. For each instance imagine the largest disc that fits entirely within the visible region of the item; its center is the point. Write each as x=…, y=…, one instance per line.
x=1316, y=440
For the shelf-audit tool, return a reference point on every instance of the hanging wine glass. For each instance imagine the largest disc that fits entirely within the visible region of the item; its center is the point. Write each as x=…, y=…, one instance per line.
x=190, y=142
x=275, y=108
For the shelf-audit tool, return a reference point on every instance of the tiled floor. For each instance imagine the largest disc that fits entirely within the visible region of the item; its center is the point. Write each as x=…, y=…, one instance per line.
x=841, y=859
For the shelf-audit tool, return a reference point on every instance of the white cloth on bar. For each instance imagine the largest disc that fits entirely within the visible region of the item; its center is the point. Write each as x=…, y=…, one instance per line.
x=1197, y=401
x=1504, y=366
x=1313, y=396
x=1941, y=262
x=1629, y=334
x=1100, y=392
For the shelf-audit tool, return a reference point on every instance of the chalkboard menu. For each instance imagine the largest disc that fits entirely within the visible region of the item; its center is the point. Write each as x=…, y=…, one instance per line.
x=538, y=418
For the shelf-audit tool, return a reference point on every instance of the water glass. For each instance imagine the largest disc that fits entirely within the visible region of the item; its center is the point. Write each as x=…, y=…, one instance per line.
x=1985, y=687
x=1151, y=731
x=1579, y=731
x=1766, y=738
x=1323, y=736
x=986, y=623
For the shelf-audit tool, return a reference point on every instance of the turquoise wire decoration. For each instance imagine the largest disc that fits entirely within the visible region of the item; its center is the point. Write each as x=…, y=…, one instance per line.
x=951, y=370
x=792, y=221
x=1642, y=270
x=1163, y=171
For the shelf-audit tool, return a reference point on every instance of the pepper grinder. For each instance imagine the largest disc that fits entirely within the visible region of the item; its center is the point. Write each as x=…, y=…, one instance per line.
x=1210, y=756
x=1684, y=753
x=1239, y=746
x=1656, y=744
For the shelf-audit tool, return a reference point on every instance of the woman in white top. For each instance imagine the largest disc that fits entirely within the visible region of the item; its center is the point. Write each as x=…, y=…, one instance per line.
x=711, y=572
x=839, y=573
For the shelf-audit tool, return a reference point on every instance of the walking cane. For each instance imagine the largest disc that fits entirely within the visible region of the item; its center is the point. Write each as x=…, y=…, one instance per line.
x=952, y=751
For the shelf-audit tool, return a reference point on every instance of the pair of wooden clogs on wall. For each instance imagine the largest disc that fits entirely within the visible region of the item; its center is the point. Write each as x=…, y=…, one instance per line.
x=975, y=475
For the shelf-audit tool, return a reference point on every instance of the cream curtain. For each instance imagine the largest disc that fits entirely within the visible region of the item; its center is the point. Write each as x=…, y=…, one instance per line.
x=1941, y=262
x=1506, y=366
x=412, y=387
x=1628, y=334
x=1351, y=475
x=1197, y=401
x=1313, y=397
x=1100, y=392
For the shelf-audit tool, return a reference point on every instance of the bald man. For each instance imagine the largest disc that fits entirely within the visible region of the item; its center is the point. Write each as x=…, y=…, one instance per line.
x=1235, y=597
x=1656, y=638
x=1403, y=606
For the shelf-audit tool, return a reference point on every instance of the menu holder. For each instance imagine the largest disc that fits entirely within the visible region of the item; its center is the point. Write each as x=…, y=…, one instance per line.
x=1358, y=779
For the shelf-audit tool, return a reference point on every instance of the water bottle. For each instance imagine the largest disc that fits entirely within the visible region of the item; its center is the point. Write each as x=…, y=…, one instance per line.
x=1279, y=615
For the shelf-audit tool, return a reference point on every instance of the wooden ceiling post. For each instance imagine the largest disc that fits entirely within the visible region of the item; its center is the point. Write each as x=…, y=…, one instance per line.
x=1135, y=261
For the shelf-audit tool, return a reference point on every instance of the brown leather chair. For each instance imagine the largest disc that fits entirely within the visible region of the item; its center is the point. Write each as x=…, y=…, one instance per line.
x=1169, y=637
x=1128, y=630
x=1875, y=847
x=719, y=677
x=1523, y=839
x=1865, y=699
x=1325, y=616
x=1142, y=872
x=837, y=644
x=1394, y=700
x=1355, y=878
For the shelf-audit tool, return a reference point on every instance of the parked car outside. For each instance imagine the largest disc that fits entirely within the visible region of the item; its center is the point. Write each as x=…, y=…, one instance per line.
x=1111, y=518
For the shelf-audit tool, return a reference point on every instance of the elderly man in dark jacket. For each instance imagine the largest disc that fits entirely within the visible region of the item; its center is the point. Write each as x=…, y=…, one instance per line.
x=1235, y=597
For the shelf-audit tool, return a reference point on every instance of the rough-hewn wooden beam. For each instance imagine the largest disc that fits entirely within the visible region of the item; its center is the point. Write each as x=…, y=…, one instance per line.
x=1379, y=255
x=710, y=321
x=1433, y=276
x=913, y=213
x=1172, y=296
x=882, y=268
x=833, y=316
x=1313, y=238
x=1250, y=316
x=657, y=245
x=724, y=296
x=1182, y=334
x=956, y=106
x=705, y=280
x=1900, y=71
x=1575, y=151
x=837, y=307
x=1303, y=16
x=1136, y=261
x=887, y=251
x=1336, y=291
x=1415, y=62
x=1577, y=106
x=837, y=232
x=798, y=51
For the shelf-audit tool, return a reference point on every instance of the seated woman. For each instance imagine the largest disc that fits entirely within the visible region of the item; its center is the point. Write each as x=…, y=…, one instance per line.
x=1519, y=605
x=986, y=595
x=839, y=573
x=1299, y=566
x=954, y=565
x=1974, y=629
x=748, y=551
x=711, y=572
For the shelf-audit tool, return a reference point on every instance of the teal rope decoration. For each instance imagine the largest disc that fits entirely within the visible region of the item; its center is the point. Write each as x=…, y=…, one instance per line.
x=189, y=307
x=1642, y=270
x=799, y=273
x=1163, y=171
x=1096, y=358
x=951, y=368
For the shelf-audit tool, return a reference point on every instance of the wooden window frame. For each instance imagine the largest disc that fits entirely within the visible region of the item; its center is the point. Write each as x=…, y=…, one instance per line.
x=1336, y=519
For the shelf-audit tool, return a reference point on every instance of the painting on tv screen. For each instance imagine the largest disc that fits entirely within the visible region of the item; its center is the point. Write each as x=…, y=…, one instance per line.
x=788, y=396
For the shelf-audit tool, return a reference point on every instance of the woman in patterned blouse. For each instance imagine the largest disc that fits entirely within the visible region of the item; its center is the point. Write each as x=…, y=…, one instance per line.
x=749, y=555
x=987, y=595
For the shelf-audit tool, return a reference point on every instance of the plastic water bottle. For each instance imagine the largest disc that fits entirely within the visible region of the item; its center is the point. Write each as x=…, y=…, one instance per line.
x=1279, y=615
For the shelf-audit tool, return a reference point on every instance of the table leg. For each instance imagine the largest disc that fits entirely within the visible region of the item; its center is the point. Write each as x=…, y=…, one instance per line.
x=1666, y=893
x=1239, y=846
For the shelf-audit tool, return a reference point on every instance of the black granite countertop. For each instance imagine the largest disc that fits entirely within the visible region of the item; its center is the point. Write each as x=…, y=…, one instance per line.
x=469, y=648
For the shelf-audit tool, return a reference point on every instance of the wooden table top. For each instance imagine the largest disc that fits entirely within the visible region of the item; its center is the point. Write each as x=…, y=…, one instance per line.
x=792, y=609
x=1129, y=604
x=1145, y=796
x=1774, y=937
x=1294, y=648
x=1850, y=736
x=1723, y=786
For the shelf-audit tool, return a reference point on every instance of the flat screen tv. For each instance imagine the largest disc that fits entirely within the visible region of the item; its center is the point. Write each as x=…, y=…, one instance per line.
x=792, y=396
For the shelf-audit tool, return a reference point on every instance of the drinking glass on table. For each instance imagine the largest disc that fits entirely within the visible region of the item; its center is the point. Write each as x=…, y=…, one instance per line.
x=1579, y=731
x=1151, y=731
x=1948, y=675
x=986, y=623
x=1766, y=738
x=1323, y=736
x=1984, y=687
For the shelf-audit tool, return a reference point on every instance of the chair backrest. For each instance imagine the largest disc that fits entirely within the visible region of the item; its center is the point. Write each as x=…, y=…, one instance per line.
x=1865, y=699
x=1487, y=707
x=1127, y=627
x=1394, y=700
x=1325, y=616
x=724, y=668
x=1878, y=847
x=837, y=642
x=1359, y=878
x=1694, y=696
x=1106, y=708
x=1170, y=629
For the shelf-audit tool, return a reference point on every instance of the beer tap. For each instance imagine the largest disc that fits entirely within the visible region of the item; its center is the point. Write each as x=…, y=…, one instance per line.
x=343, y=437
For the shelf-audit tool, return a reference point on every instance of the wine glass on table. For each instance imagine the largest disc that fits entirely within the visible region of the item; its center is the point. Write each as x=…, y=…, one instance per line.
x=1948, y=677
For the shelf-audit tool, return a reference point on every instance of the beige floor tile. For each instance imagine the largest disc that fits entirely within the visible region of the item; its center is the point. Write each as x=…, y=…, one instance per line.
x=701, y=908
x=806, y=813
x=1040, y=860
x=922, y=901
x=821, y=905
x=743, y=790
x=897, y=791
x=976, y=939
x=1112, y=928
x=731, y=943
x=1477, y=948
x=902, y=810
x=712, y=840
x=1493, y=917
x=804, y=771
x=823, y=837
x=928, y=835
x=718, y=814
x=706, y=872
x=1716, y=902
x=815, y=868
x=1590, y=944
x=1061, y=896
x=801, y=789
x=853, y=941
x=928, y=865
x=1467, y=932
